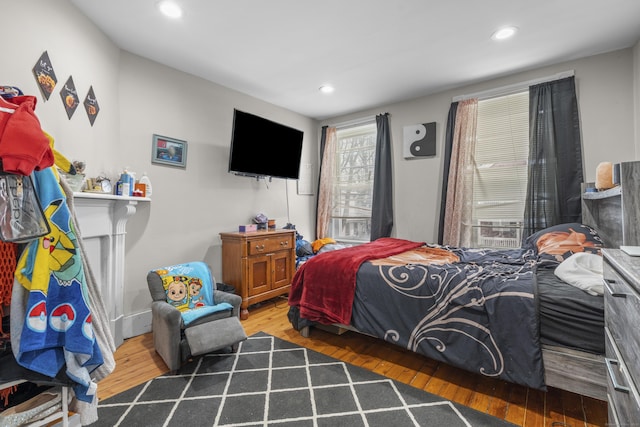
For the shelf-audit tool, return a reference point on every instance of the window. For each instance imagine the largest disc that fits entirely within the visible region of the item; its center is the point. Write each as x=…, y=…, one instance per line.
x=500, y=170
x=353, y=184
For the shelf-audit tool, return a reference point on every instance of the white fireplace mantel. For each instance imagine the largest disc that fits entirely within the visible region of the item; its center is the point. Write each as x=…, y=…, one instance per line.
x=102, y=219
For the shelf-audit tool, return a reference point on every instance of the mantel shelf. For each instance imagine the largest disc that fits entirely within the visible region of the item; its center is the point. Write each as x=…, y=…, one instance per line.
x=108, y=196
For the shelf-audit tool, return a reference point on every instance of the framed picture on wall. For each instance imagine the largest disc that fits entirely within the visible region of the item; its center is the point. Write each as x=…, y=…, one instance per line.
x=169, y=151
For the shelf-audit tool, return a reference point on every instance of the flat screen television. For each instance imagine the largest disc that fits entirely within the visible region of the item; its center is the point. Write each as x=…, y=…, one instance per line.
x=261, y=147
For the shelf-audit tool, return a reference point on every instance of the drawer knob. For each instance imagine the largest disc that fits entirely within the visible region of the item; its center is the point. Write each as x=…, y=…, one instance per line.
x=260, y=247
x=285, y=243
x=614, y=380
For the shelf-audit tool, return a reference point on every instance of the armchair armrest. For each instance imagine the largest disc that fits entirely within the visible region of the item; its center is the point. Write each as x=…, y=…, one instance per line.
x=166, y=324
x=233, y=299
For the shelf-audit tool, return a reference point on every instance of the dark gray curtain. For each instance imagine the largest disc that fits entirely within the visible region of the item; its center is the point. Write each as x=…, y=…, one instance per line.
x=382, y=204
x=555, y=156
x=448, y=144
x=323, y=141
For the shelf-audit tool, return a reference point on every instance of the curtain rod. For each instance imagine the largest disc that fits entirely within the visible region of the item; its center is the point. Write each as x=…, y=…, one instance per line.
x=354, y=122
x=513, y=88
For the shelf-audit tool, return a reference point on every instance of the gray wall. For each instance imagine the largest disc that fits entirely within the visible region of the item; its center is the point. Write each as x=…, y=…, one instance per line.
x=606, y=104
x=76, y=47
x=138, y=98
x=190, y=207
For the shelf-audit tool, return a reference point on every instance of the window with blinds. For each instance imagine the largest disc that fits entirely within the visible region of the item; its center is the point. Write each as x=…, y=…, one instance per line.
x=353, y=184
x=500, y=174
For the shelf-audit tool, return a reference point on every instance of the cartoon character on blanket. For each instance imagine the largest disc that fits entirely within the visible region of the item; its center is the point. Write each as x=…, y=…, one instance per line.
x=189, y=288
x=57, y=326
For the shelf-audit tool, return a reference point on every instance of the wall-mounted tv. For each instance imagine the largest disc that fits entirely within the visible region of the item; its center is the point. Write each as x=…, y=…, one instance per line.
x=261, y=147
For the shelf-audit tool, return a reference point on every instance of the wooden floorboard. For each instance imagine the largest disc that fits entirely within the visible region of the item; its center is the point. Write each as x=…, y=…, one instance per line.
x=517, y=404
x=137, y=362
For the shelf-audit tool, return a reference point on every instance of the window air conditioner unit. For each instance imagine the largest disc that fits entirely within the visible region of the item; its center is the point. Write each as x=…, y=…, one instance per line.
x=499, y=233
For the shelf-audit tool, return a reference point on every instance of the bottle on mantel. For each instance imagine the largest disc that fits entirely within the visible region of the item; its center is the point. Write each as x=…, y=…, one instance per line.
x=125, y=185
x=144, y=179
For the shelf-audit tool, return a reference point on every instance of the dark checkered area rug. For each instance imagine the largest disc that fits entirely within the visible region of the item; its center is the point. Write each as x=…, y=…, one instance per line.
x=272, y=382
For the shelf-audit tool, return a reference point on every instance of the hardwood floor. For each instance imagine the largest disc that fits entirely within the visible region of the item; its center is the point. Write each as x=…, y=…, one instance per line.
x=138, y=362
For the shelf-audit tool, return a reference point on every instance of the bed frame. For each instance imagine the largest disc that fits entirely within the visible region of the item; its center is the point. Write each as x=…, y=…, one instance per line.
x=576, y=371
x=567, y=369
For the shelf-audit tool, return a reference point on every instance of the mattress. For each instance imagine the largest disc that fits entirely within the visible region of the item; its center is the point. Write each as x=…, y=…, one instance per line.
x=569, y=317
x=486, y=311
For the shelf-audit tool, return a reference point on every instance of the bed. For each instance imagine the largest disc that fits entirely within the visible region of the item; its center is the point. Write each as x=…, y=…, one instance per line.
x=499, y=313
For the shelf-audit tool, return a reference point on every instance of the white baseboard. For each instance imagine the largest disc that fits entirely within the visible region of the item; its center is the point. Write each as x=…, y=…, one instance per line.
x=116, y=330
x=136, y=324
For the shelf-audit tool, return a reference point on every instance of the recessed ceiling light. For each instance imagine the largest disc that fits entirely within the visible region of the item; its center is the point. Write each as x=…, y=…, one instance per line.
x=326, y=89
x=170, y=9
x=504, y=33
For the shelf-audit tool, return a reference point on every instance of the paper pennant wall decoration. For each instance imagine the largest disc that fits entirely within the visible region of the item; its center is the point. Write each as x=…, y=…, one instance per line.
x=45, y=75
x=69, y=96
x=91, y=106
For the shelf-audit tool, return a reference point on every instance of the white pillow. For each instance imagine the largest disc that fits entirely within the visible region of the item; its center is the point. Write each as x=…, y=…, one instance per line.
x=582, y=270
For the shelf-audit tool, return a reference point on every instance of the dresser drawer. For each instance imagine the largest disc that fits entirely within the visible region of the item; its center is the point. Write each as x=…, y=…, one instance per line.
x=624, y=401
x=269, y=245
x=622, y=318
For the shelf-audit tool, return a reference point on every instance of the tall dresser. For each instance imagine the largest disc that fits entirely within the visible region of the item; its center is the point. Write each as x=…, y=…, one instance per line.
x=260, y=264
x=622, y=335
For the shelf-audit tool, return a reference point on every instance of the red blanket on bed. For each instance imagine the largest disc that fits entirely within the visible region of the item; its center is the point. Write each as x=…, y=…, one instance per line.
x=323, y=287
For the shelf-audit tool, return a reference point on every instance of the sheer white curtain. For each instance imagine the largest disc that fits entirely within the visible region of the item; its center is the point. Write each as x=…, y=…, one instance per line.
x=327, y=172
x=458, y=224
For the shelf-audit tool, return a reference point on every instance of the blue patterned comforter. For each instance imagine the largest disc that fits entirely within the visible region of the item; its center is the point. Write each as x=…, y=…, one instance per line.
x=478, y=314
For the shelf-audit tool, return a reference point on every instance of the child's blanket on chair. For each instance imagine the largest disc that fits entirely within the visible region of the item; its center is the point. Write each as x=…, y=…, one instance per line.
x=189, y=288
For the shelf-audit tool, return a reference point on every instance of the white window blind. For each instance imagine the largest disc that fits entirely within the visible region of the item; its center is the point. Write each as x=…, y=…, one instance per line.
x=500, y=175
x=353, y=183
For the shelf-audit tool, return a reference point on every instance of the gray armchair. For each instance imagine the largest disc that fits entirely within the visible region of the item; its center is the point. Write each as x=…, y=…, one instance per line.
x=175, y=343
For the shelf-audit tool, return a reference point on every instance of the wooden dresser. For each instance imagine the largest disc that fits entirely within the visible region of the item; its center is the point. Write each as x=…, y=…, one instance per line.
x=260, y=264
x=622, y=335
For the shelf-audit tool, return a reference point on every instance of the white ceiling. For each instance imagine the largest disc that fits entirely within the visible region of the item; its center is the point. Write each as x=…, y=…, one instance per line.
x=374, y=52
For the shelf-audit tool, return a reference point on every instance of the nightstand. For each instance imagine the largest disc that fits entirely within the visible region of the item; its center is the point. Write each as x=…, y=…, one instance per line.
x=260, y=264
